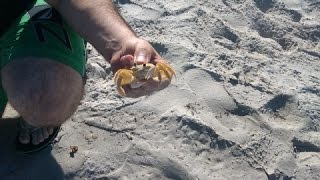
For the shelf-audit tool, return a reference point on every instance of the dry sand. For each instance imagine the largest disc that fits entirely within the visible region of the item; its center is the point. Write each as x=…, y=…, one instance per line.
x=245, y=103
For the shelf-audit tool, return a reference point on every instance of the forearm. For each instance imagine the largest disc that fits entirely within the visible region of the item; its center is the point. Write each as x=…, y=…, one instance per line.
x=97, y=21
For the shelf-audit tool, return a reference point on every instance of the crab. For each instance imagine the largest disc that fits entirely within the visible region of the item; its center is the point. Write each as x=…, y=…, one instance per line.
x=139, y=74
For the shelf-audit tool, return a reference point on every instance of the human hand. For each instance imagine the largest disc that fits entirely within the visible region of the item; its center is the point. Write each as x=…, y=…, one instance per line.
x=132, y=51
x=138, y=51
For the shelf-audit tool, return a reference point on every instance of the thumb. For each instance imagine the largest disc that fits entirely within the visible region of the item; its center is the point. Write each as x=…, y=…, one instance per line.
x=141, y=56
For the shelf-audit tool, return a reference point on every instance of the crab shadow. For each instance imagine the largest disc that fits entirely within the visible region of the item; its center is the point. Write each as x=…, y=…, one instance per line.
x=40, y=165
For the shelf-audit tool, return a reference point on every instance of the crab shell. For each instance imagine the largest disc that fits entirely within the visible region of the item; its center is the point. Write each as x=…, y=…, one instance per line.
x=140, y=74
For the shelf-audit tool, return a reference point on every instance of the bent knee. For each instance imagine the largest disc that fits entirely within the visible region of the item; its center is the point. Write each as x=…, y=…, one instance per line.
x=43, y=91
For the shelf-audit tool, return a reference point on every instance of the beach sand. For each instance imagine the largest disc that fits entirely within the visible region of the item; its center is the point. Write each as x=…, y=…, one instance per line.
x=245, y=103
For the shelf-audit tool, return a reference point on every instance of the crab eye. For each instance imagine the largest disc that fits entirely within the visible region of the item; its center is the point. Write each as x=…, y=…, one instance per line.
x=144, y=65
x=134, y=64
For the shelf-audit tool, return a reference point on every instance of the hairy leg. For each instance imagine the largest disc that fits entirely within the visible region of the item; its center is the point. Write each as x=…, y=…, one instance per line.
x=45, y=93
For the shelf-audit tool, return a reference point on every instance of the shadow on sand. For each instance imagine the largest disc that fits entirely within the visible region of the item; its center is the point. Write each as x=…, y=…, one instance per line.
x=40, y=165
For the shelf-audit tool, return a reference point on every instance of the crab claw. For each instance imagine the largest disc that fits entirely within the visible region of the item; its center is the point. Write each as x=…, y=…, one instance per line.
x=150, y=73
x=123, y=77
x=163, y=70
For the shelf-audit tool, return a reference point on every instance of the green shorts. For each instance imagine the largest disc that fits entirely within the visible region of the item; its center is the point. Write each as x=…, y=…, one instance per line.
x=41, y=32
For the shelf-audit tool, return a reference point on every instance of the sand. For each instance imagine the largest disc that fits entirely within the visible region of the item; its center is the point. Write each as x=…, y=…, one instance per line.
x=245, y=103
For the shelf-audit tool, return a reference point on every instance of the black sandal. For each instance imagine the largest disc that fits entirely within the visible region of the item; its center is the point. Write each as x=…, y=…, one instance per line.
x=31, y=148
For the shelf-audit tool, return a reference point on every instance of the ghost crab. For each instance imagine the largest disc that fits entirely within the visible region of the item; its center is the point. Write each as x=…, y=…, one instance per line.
x=139, y=74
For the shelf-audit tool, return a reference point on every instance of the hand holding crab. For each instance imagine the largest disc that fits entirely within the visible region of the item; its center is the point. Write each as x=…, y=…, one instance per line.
x=139, y=69
x=141, y=74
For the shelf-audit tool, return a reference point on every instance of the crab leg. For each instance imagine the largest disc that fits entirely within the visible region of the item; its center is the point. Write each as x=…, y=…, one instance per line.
x=169, y=68
x=123, y=77
x=157, y=73
x=120, y=88
x=164, y=69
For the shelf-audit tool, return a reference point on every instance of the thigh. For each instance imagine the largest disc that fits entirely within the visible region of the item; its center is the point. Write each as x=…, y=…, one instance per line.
x=42, y=90
x=40, y=33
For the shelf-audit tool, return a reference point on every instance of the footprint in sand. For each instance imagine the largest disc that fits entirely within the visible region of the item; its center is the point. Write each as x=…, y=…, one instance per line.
x=209, y=90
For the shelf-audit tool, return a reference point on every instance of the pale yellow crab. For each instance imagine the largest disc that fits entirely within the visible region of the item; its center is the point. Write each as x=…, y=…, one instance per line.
x=139, y=74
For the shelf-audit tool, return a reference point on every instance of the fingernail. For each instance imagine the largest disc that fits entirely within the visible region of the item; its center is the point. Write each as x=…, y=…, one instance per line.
x=141, y=56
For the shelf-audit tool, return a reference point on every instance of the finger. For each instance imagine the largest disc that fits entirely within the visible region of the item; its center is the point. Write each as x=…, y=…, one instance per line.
x=123, y=62
x=126, y=61
x=142, y=56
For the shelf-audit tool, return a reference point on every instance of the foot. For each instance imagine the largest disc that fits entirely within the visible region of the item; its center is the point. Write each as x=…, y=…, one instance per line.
x=36, y=135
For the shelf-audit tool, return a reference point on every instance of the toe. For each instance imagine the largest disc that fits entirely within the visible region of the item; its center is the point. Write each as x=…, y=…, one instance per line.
x=24, y=137
x=41, y=134
x=37, y=137
x=45, y=133
x=50, y=130
x=34, y=138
